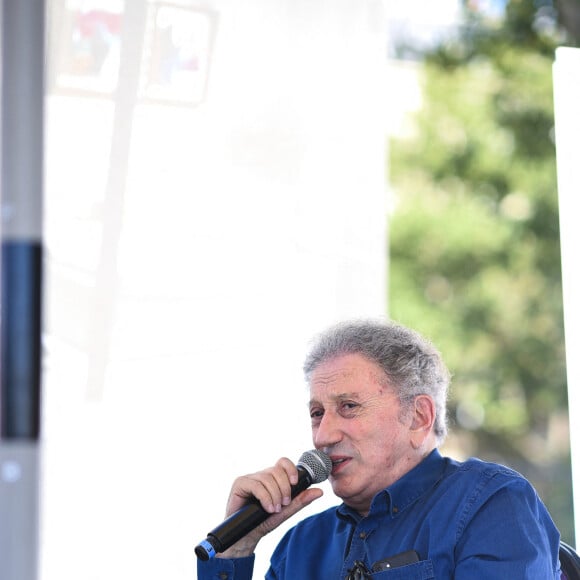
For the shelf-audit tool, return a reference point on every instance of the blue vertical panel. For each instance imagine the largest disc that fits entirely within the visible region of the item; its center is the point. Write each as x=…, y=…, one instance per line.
x=20, y=340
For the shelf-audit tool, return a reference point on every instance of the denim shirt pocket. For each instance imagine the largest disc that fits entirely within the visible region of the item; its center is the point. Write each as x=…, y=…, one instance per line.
x=422, y=570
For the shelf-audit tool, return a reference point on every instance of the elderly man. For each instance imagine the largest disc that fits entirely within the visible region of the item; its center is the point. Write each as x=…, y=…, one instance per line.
x=378, y=407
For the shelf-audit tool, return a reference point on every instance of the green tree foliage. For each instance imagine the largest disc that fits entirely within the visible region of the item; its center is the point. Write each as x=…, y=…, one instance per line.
x=474, y=245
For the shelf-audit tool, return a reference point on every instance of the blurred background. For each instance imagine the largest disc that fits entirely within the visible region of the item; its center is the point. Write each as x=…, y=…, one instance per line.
x=474, y=234
x=223, y=180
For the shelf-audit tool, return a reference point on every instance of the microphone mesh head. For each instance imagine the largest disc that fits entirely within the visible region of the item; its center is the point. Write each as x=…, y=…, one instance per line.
x=317, y=463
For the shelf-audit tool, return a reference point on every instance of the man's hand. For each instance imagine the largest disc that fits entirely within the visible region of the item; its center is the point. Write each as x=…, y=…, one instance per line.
x=272, y=488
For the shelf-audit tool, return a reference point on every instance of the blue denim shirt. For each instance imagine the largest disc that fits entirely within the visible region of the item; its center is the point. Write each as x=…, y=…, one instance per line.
x=467, y=521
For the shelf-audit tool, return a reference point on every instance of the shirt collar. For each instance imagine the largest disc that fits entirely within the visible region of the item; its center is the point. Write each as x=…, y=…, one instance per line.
x=401, y=494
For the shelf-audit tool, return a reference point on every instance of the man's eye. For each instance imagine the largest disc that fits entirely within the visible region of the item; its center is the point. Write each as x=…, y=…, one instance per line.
x=348, y=407
x=316, y=413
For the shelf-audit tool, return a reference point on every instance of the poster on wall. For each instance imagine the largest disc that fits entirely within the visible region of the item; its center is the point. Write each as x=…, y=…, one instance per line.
x=174, y=49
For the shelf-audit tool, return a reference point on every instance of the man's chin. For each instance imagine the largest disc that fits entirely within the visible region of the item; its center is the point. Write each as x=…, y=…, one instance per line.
x=340, y=487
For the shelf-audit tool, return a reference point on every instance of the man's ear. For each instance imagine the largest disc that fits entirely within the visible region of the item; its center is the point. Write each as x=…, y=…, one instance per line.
x=423, y=418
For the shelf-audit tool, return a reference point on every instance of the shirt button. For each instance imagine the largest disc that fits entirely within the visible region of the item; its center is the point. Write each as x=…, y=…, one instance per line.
x=395, y=509
x=223, y=576
x=362, y=535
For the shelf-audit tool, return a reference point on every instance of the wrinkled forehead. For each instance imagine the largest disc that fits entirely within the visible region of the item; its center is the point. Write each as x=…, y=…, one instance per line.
x=351, y=373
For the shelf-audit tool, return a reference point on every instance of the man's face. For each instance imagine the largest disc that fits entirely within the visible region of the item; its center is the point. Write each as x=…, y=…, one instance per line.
x=357, y=421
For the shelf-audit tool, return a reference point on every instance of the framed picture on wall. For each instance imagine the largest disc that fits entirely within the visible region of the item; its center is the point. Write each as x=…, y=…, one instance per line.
x=85, y=46
x=177, y=54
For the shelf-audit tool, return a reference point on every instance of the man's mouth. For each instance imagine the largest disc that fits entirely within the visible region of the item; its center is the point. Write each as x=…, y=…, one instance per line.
x=338, y=463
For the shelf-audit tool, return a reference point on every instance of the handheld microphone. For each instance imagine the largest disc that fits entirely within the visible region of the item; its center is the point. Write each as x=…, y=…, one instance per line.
x=313, y=467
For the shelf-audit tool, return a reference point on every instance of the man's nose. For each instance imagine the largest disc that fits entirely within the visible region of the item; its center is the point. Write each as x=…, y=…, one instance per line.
x=327, y=432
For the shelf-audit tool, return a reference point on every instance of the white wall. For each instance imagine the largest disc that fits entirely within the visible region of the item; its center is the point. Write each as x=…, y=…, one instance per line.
x=566, y=99
x=193, y=249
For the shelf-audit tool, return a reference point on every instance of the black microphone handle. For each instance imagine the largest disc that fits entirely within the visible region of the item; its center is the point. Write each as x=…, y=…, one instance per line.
x=242, y=522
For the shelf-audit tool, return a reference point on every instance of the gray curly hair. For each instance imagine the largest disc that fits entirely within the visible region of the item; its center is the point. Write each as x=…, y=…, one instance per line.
x=412, y=365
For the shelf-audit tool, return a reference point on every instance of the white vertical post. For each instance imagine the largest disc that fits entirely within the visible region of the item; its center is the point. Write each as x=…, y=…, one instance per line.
x=566, y=73
x=22, y=97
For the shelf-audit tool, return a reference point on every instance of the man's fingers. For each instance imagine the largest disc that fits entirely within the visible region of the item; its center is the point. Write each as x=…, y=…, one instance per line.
x=299, y=502
x=272, y=487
